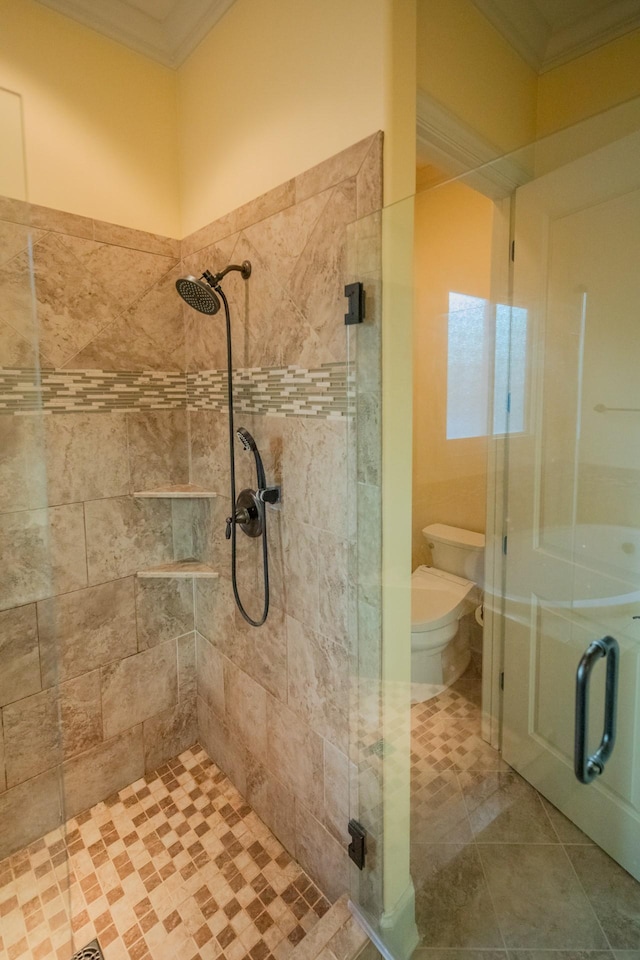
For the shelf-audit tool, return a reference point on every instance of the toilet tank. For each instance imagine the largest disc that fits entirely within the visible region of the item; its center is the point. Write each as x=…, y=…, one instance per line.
x=457, y=551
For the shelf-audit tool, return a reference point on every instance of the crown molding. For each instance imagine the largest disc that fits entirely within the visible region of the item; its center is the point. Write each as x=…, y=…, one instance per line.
x=451, y=145
x=168, y=40
x=544, y=46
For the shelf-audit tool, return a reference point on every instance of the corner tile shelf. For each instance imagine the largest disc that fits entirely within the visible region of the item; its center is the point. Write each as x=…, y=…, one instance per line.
x=181, y=569
x=176, y=491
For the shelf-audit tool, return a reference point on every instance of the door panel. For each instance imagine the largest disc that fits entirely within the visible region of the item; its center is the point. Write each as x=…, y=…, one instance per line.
x=573, y=560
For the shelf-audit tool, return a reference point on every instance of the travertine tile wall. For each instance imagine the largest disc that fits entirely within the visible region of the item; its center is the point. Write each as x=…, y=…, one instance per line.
x=273, y=703
x=97, y=670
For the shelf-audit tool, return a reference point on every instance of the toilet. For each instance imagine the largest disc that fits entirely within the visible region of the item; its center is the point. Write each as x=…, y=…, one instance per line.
x=440, y=596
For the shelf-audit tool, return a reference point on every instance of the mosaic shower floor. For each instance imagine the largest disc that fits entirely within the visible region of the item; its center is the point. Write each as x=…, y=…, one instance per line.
x=176, y=866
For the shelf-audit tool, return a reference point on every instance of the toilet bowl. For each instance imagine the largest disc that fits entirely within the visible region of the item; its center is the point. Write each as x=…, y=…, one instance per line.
x=439, y=598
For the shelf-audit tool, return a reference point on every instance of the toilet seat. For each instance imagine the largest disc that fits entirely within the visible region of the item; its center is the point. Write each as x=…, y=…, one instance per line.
x=437, y=599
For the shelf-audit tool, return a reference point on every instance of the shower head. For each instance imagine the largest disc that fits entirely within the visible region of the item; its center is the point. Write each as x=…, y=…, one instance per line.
x=198, y=295
x=202, y=296
x=246, y=439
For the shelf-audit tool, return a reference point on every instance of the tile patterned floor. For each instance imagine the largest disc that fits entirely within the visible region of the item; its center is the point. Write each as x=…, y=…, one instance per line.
x=174, y=867
x=491, y=857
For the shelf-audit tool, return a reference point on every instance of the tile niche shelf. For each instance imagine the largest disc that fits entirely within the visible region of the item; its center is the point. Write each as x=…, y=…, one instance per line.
x=180, y=569
x=176, y=491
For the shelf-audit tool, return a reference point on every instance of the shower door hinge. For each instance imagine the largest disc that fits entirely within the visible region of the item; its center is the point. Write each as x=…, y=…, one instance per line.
x=513, y=251
x=355, y=294
x=502, y=680
x=505, y=544
x=358, y=846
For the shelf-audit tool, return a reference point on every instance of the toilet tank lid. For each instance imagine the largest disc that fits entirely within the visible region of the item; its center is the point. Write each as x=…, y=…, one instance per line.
x=455, y=536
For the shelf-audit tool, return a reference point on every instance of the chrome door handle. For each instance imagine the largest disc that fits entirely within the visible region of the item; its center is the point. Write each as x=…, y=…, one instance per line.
x=586, y=767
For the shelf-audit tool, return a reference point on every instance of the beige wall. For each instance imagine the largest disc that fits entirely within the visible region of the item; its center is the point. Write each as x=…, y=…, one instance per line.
x=100, y=120
x=467, y=66
x=595, y=82
x=276, y=87
x=453, y=227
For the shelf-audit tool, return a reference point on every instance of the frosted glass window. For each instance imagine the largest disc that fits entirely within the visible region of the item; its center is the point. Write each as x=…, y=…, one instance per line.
x=479, y=350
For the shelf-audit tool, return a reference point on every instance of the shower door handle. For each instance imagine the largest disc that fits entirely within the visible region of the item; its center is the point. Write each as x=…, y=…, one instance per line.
x=586, y=767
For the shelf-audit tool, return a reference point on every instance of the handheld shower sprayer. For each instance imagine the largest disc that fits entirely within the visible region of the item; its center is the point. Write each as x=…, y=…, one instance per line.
x=248, y=507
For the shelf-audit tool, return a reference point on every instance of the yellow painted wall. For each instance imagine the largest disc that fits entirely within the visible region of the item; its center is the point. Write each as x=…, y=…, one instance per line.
x=100, y=120
x=276, y=87
x=594, y=82
x=468, y=67
x=452, y=252
x=13, y=181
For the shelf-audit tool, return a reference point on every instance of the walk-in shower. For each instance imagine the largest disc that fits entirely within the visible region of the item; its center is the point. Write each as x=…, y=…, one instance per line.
x=248, y=507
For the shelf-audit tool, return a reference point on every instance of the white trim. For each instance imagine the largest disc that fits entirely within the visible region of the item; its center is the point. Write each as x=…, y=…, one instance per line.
x=449, y=143
x=169, y=40
x=397, y=936
x=526, y=30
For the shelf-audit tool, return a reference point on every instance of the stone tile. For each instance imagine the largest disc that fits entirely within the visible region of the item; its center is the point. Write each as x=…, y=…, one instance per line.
x=318, y=682
x=125, y=535
x=317, y=852
x=29, y=811
x=19, y=654
x=561, y=955
x=300, y=571
x=246, y=709
x=14, y=239
x=336, y=610
x=114, y=233
x=86, y=629
x=317, y=285
x=531, y=881
x=215, y=616
x=283, y=236
x=158, y=453
x=369, y=179
x=614, y=895
x=263, y=653
x=314, y=458
x=266, y=205
x=272, y=801
x=332, y=171
x=349, y=941
x=71, y=306
x=566, y=831
x=42, y=729
x=295, y=751
x=86, y=457
x=99, y=772
x=438, y=811
x=59, y=221
x=22, y=472
x=224, y=749
x=504, y=808
x=336, y=792
x=18, y=347
x=209, y=446
x=453, y=904
x=169, y=733
x=187, y=679
x=164, y=610
x=147, y=336
x=43, y=552
x=430, y=953
x=128, y=696
x=210, y=675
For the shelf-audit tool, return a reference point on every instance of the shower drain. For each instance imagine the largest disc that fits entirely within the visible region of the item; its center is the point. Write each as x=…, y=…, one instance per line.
x=92, y=951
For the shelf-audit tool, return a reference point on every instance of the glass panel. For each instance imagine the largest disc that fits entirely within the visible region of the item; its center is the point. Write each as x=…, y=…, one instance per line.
x=34, y=877
x=525, y=408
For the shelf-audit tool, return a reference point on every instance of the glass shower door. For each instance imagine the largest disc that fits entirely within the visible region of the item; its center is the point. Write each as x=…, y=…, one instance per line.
x=34, y=878
x=572, y=536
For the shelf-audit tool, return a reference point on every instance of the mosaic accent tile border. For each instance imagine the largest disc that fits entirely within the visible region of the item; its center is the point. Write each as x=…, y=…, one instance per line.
x=89, y=391
x=290, y=391
x=275, y=391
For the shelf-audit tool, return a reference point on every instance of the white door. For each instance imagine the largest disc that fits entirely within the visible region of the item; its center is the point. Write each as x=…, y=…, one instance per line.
x=573, y=546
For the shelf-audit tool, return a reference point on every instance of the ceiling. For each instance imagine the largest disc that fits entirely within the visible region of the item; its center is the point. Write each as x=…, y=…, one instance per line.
x=547, y=33
x=165, y=30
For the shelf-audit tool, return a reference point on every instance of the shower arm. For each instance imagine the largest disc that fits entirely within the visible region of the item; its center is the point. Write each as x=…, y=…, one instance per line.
x=213, y=279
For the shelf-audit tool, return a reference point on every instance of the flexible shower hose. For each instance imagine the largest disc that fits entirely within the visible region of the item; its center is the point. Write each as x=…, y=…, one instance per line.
x=232, y=471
